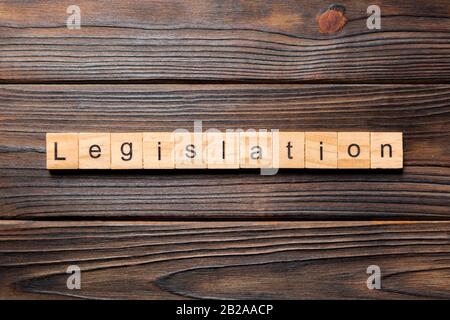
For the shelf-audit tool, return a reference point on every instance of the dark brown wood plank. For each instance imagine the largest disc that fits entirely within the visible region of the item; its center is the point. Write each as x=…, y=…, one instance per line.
x=223, y=260
x=420, y=191
x=217, y=40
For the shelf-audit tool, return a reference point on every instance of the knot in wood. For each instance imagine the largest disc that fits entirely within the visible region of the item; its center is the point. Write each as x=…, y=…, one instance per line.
x=332, y=19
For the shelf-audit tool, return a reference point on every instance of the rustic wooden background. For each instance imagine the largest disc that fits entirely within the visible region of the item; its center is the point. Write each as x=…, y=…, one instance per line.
x=161, y=65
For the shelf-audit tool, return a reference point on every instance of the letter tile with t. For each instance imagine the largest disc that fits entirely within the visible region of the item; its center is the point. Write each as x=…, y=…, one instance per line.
x=289, y=150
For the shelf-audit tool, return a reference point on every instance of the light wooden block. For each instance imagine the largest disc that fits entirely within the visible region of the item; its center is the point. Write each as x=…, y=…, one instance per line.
x=94, y=150
x=386, y=150
x=354, y=150
x=289, y=150
x=158, y=150
x=223, y=150
x=126, y=150
x=256, y=149
x=190, y=150
x=62, y=151
x=321, y=150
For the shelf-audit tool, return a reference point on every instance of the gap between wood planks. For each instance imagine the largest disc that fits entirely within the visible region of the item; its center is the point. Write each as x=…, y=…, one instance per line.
x=220, y=82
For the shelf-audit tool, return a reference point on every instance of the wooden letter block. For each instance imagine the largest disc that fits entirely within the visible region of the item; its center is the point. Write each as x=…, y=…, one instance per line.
x=223, y=150
x=126, y=150
x=321, y=150
x=386, y=150
x=62, y=150
x=94, y=150
x=158, y=150
x=289, y=149
x=354, y=150
x=190, y=150
x=256, y=149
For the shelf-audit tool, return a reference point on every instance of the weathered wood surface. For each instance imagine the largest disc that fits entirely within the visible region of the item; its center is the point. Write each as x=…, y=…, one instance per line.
x=420, y=191
x=153, y=42
x=224, y=260
x=223, y=40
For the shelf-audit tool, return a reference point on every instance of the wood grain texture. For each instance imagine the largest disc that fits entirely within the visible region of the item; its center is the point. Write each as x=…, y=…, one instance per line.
x=158, y=150
x=223, y=40
x=421, y=190
x=321, y=150
x=97, y=144
x=289, y=150
x=354, y=150
x=62, y=151
x=224, y=260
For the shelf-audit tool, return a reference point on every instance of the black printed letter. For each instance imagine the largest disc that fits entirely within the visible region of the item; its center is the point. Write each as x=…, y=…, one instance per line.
x=95, y=149
x=289, y=146
x=127, y=156
x=56, y=153
x=382, y=150
x=349, y=150
x=191, y=149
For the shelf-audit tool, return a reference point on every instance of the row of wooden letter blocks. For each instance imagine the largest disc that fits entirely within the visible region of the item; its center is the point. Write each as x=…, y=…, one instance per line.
x=225, y=150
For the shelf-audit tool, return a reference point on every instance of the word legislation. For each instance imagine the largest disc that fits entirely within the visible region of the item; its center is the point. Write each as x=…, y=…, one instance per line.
x=227, y=150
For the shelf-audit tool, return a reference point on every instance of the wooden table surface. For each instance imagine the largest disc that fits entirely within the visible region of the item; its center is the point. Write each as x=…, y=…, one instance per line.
x=177, y=234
